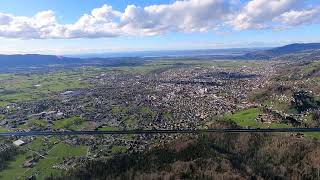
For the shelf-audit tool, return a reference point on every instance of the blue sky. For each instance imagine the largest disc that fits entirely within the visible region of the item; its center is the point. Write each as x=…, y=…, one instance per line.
x=68, y=10
x=61, y=27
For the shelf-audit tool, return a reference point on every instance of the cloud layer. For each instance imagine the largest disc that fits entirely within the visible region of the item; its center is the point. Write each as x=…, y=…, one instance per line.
x=180, y=16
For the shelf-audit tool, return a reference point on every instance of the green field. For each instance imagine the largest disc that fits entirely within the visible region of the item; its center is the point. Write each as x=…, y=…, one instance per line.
x=73, y=123
x=44, y=166
x=247, y=118
x=130, y=121
x=55, y=155
x=14, y=169
x=167, y=116
x=310, y=68
x=314, y=135
x=37, y=144
x=34, y=122
x=173, y=63
x=3, y=129
x=25, y=87
x=118, y=149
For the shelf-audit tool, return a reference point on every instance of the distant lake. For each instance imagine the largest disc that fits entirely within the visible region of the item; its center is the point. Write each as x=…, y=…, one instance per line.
x=170, y=53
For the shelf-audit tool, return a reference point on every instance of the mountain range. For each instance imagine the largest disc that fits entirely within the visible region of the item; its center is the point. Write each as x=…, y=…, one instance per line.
x=291, y=49
x=307, y=51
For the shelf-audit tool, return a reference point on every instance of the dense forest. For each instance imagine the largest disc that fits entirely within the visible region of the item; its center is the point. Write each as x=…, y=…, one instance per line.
x=213, y=156
x=304, y=102
x=7, y=152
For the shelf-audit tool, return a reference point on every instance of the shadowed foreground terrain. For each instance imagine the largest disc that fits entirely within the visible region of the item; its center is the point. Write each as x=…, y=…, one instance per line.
x=213, y=156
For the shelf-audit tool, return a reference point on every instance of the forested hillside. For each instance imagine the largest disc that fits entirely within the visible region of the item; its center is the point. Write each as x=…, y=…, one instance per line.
x=213, y=156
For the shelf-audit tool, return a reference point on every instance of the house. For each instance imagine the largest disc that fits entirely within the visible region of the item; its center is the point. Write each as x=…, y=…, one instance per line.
x=19, y=142
x=29, y=163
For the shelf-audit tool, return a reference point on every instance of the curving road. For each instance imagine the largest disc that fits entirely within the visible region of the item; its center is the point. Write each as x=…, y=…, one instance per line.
x=185, y=131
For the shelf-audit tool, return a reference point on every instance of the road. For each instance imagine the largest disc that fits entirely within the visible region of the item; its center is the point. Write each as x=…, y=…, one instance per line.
x=186, y=131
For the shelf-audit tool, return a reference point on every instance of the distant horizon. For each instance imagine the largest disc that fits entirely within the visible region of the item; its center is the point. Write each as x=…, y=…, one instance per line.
x=144, y=51
x=101, y=51
x=131, y=53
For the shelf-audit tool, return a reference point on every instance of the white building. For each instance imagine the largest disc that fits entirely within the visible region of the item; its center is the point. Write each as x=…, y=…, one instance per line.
x=19, y=142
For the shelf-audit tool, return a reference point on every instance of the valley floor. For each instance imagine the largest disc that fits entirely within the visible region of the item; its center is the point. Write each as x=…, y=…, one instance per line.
x=163, y=94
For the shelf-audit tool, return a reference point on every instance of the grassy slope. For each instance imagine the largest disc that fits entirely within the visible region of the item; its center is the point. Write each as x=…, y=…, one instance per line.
x=55, y=155
x=246, y=118
x=14, y=169
x=213, y=156
x=43, y=166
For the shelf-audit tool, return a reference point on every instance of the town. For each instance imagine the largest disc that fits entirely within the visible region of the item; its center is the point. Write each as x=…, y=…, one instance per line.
x=188, y=95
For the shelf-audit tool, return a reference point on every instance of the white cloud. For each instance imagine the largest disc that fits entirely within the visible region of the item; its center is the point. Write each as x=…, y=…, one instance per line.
x=182, y=16
x=44, y=25
x=179, y=16
x=257, y=14
x=5, y=18
x=100, y=23
x=295, y=18
x=37, y=26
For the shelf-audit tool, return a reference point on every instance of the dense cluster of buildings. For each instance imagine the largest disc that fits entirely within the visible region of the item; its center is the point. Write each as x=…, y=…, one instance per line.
x=178, y=98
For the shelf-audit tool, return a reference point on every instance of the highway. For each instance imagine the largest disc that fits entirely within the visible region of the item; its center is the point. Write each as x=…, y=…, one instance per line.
x=185, y=131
